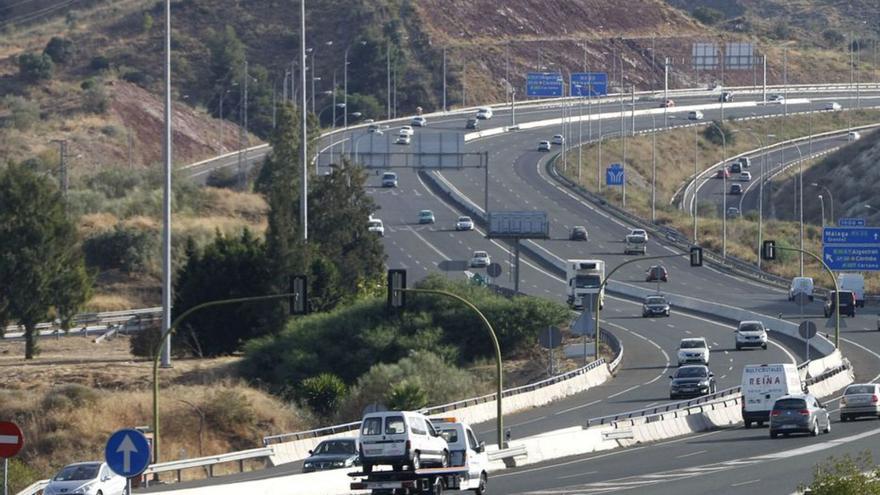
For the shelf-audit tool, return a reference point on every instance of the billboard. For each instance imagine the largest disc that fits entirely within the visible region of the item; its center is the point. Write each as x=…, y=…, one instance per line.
x=705, y=56
x=519, y=224
x=425, y=150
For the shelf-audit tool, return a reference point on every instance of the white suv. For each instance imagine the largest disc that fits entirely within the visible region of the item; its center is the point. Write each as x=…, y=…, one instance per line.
x=400, y=438
x=693, y=350
x=750, y=333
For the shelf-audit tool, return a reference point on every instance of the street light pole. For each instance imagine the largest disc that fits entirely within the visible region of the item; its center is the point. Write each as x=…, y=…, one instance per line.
x=444, y=78
x=822, y=204
x=166, y=208
x=304, y=182
x=723, y=191
x=830, y=200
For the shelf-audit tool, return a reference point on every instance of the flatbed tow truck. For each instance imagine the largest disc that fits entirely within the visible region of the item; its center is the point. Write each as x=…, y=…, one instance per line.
x=430, y=481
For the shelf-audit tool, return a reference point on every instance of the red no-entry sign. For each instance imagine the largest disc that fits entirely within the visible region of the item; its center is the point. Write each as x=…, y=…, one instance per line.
x=11, y=439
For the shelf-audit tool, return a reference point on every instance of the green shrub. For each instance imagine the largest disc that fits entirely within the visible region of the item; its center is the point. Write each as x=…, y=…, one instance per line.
x=69, y=397
x=95, y=99
x=128, y=249
x=229, y=411
x=33, y=67
x=323, y=393
x=714, y=133
x=407, y=396
x=24, y=113
x=115, y=183
x=21, y=475
x=99, y=63
x=707, y=15
x=60, y=50
x=223, y=177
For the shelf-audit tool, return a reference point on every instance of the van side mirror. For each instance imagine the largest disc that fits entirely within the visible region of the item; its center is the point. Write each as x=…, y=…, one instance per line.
x=310, y=452
x=711, y=374
x=481, y=447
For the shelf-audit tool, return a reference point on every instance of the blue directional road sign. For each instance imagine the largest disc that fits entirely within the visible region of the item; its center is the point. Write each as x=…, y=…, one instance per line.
x=127, y=453
x=614, y=175
x=851, y=248
x=851, y=222
x=851, y=235
x=589, y=84
x=544, y=85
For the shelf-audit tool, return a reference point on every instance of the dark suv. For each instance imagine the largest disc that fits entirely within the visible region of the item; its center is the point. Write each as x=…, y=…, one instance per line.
x=847, y=304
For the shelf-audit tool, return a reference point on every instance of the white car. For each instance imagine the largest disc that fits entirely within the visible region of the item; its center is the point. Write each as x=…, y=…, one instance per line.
x=400, y=438
x=484, y=113
x=376, y=225
x=408, y=130
x=853, y=136
x=558, y=139
x=750, y=333
x=465, y=450
x=693, y=350
x=403, y=139
x=833, y=105
x=464, y=223
x=374, y=128
x=745, y=176
x=695, y=115
x=639, y=233
x=544, y=146
x=801, y=285
x=776, y=99
x=419, y=121
x=86, y=478
x=480, y=259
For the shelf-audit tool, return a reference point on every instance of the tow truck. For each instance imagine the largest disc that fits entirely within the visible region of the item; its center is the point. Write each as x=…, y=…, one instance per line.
x=467, y=470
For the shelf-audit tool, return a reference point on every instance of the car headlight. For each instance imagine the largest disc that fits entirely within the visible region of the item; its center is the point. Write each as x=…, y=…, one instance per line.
x=307, y=464
x=338, y=463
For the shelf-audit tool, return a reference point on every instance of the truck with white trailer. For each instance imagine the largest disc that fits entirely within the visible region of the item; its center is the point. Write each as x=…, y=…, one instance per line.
x=584, y=279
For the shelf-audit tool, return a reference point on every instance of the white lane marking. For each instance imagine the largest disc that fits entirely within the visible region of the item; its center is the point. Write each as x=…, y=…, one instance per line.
x=691, y=454
x=575, y=408
x=670, y=325
x=577, y=475
x=860, y=346
x=624, y=391
x=746, y=483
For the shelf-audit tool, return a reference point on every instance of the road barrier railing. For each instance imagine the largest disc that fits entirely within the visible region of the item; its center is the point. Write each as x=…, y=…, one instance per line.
x=208, y=462
x=663, y=408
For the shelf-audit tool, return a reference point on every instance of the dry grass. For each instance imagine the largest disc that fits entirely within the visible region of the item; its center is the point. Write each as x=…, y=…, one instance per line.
x=76, y=393
x=101, y=302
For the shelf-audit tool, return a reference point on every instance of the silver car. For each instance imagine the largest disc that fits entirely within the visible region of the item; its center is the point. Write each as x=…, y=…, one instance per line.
x=86, y=478
x=860, y=400
x=799, y=413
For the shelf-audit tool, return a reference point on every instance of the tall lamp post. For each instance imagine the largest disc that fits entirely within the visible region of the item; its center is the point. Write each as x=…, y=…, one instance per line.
x=723, y=191
x=822, y=205
x=830, y=200
x=760, y=187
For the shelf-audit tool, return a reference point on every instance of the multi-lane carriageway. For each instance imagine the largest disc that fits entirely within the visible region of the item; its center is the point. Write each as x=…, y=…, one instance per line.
x=725, y=461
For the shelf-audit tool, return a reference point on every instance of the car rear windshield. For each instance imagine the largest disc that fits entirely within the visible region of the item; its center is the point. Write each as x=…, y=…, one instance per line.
x=692, y=344
x=80, y=472
x=394, y=425
x=859, y=389
x=691, y=373
x=790, y=404
x=372, y=426
x=751, y=327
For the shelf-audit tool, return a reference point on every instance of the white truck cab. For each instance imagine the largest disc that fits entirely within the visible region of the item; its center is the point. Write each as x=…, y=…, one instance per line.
x=465, y=450
x=400, y=438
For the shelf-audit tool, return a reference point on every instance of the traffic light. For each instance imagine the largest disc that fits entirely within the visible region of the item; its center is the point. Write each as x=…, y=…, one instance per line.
x=396, y=281
x=696, y=256
x=299, y=301
x=768, y=250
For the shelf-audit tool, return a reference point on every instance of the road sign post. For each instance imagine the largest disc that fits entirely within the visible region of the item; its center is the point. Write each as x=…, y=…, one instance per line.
x=11, y=442
x=127, y=453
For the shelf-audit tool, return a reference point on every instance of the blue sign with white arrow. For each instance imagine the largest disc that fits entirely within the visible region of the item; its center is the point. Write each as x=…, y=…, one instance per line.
x=851, y=222
x=851, y=235
x=852, y=258
x=127, y=453
x=614, y=175
x=544, y=84
x=589, y=84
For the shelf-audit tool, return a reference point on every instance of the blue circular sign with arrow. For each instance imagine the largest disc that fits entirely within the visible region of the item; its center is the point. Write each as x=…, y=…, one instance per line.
x=127, y=453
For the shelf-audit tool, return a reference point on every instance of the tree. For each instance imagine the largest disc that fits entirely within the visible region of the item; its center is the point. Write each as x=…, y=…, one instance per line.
x=38, y=251
x=845, y=476
x=707, y=15
x=713, y=134
x=60, y=50
x=407, y=396
x=323, y=393
x=33, y=67
x=229, y=267
x=72, y=289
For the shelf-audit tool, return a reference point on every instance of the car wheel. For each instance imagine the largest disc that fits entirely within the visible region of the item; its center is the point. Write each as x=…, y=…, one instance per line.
x=843, y=418
x=747, y=424
x=738, y=347
x=667, y=313
x=481, y=490
x=416, y=461
x=713, y=389
x=773, y=434
x=760, y=424
x=814, y=432
x=811, y=298
x=444, y=459
x=368, y=468
x=827, y=427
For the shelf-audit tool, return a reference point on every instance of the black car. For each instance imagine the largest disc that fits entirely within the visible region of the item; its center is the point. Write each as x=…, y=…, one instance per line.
x=692, y=381
x=655, y=305
x=736, y=189
x=578, y=234
x=735, y=168
x=472, y=123
x=725, y=96
x=847, y=304
x=332, y=454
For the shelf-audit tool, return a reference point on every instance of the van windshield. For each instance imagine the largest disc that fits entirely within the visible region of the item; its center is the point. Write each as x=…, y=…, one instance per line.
x=587, y=281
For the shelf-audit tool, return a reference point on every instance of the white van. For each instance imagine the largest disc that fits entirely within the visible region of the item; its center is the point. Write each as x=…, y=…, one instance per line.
x=400, y=438
x=484, y=113
x=854, y=282
x=465, y=450
x=801, y=285
x=762, y=384
x=635, y=244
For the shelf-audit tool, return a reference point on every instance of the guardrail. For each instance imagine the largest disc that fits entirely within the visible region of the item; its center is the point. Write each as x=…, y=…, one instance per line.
x=331, y=430
x=131, y=319
x=208, y=462
x=500, y=455
x=672, y=406
x=34, y=488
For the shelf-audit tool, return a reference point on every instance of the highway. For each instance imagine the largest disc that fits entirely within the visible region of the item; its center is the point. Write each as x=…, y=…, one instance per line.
x=726, y=461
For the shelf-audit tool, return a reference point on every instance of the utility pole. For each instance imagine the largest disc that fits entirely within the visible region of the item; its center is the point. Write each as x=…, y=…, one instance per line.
x=247, y=139
x=506, y=73
x=623, y=136
x=304, y=186
x=665, y=92
x=314, y=77
x=166, y=207
x=388, y=78
x=764, y=98
x=444, y=79
x=344, y=92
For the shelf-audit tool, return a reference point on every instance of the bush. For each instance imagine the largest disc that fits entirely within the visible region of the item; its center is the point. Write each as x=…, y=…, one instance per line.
x=135, y=76
x=145, y=342
x=845, y=476
x=223, y=177
x=833, y=37
x=407, y=396
x=229, y=411
x=60, y=50
x=95, y=99
x=69, y=397
x=99, y=63
x=24, y=113
x=707, y=15
x=125, y=248
x=34, y=67
x=323, y=393
x=21, y=475
x=714, y=133
x=114, y=182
